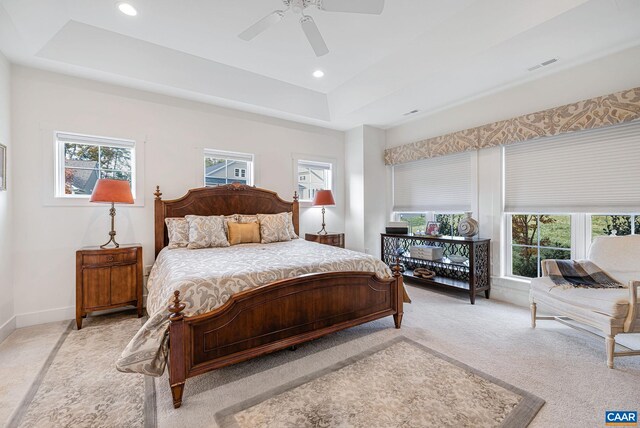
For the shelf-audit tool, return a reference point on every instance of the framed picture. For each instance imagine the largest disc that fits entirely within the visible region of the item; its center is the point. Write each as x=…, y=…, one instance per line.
x=433, y=228
x=3, y=167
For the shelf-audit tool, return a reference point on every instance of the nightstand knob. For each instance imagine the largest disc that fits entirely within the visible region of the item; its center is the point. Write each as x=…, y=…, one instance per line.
x=110, y=258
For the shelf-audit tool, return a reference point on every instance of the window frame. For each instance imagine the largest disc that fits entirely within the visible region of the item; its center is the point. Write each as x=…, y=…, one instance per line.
x=324, y=162
x=62, y=138
x=227, y=156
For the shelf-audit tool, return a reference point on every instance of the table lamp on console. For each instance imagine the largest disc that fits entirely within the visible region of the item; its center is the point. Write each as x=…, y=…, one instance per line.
x=323, y=198
x=113, y=192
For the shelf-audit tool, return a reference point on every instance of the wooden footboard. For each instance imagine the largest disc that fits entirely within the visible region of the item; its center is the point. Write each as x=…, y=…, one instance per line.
x=279, y=315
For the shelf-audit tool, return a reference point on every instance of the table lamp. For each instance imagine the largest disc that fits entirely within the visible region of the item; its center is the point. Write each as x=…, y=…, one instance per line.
x=112, y=191
x=323, y=198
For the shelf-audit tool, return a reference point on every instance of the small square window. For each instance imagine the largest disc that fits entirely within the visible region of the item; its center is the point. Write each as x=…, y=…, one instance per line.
x=82, y=160
x=313, y=176
x=222, y=168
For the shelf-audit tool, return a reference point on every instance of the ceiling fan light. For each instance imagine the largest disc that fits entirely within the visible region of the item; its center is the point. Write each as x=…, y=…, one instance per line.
x=127, y=9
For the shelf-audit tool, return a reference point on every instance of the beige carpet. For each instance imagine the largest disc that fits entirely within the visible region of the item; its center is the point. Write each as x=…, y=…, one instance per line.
x=564, y=367
x=79, y=385
x=397, y=384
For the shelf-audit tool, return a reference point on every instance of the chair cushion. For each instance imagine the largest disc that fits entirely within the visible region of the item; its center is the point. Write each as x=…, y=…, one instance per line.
x=613, y=302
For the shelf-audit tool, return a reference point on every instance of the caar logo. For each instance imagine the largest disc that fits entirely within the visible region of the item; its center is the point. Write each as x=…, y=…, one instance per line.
x=621, y=418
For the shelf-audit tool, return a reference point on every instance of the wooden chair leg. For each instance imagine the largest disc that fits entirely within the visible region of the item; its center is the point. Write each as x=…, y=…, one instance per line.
x=533, y=314
x=611, y=345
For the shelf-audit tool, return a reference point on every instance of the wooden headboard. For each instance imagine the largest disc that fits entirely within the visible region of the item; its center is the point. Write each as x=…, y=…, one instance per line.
x=222, y=200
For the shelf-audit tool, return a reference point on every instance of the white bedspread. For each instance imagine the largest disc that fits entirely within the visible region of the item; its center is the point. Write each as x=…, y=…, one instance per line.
x=206, y=278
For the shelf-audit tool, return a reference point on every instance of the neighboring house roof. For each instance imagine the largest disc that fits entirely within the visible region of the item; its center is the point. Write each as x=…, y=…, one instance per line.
x=82, y=181
x=219, y=169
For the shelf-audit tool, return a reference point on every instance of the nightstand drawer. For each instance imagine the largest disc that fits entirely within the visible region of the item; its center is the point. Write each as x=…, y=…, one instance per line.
x=333, y=239
x=108, y=259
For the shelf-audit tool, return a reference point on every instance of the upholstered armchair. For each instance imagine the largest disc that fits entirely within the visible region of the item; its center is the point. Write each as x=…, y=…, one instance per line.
x=611, y=310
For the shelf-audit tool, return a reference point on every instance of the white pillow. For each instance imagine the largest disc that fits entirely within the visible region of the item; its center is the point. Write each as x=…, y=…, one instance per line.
x=205, y=232
x=178, y=231
x=274, y=227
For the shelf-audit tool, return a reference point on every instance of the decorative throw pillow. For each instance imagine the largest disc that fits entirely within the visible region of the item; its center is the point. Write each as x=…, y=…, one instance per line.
x=274, y=227
x=243, y=218
x=244, y=233
x=292, y=230
x=206, y=231
x=178, y=231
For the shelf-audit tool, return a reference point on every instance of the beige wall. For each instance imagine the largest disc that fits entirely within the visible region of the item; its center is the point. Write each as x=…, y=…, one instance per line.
x=603, y=76
x=6, y=250
x=174, y=133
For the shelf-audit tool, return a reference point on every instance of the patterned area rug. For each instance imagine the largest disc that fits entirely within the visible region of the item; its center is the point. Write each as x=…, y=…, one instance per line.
x=398, y=384
x=79, y=385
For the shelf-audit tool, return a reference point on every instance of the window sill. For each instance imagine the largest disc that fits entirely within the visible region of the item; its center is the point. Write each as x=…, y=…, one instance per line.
x=513, y=282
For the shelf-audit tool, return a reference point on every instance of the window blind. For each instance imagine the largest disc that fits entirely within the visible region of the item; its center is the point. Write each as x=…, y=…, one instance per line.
x=441, y=184
x=315, y=165
x=90, y=139
x=241, y=157
x=596, y=171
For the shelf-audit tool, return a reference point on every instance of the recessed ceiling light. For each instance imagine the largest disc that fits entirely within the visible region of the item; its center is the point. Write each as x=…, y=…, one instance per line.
x=318, y=74
x=127, y=9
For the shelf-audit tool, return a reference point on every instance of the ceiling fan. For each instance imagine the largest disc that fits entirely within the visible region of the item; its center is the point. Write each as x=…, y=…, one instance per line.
x=308, y=25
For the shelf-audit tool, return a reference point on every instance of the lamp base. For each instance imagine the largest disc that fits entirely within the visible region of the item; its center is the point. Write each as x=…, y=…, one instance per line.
x=112, y=233
x=323, y=231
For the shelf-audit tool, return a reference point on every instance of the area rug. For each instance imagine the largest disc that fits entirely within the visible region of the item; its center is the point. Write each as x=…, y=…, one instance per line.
x=400, y=383
x=79, y=385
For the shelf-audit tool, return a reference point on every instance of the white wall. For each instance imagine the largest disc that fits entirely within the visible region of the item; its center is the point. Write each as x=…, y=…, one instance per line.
x=174, y=133
x=354, y=180
x=606, y=75
x=7, y=321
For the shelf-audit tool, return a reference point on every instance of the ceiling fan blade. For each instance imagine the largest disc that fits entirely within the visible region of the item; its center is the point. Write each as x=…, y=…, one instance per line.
x=260, y=26
x=313, y=35
x=374, y=7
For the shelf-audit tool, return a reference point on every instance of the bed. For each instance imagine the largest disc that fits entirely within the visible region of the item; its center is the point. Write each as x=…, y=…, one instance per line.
x=221, y=306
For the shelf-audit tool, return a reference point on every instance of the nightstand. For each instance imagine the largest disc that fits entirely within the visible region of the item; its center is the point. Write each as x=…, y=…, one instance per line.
x=108, y=278
x=334, y=239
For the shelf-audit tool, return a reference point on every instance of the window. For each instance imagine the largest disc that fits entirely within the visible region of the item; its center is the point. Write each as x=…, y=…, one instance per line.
x=612, y=224
x=535, y=237
x=81, y=160
x=313, y=176
x=417, y=222
x=449, y=223
x=227, y=167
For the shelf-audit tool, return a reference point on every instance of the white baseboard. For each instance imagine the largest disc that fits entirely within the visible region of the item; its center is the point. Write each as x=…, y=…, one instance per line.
x=510, y=290
x=7, y=328
x=53, y=315
x=42, y=317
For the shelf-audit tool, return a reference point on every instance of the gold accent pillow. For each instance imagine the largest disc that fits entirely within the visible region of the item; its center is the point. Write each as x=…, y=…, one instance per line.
x=244, y=233
x=178, y=231
x=206, y=231
x=274, y=227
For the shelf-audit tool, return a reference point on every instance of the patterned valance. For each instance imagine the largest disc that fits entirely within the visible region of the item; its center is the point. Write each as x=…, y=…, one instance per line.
x=587, y=114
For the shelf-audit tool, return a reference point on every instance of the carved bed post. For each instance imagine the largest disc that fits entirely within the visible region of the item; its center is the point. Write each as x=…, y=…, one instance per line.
x=296, y=213
x=397, y=317
x=158, y=221
x=177, y=363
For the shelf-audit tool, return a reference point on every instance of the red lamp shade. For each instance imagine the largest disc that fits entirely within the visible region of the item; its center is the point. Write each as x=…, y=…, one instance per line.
x=324, y=198
x=108, y=190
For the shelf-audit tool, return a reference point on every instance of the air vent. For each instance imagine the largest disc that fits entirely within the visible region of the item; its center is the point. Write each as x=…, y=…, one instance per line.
x=410, y=112
x=543, y=64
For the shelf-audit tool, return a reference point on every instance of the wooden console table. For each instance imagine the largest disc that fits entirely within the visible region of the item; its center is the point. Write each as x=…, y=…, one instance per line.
x=472, y=275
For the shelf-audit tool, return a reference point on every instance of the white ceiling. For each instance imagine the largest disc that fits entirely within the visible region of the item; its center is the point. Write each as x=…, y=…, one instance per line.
x=419, y=54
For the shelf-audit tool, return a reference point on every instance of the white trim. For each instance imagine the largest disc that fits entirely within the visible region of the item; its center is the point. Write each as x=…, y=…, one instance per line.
x=7, y=328
x=297, y=158
x=42, y=317
x=50, y=172
x=511, y=290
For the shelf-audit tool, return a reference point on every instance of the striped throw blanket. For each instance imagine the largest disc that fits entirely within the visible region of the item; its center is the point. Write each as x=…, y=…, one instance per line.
x=579, y=273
